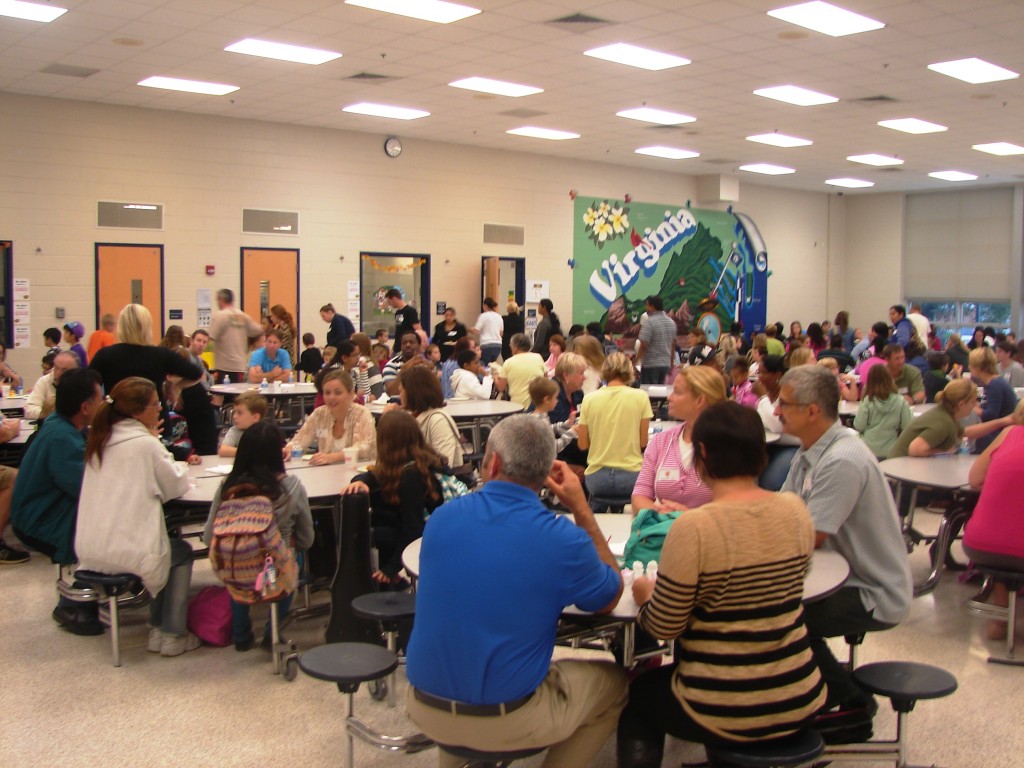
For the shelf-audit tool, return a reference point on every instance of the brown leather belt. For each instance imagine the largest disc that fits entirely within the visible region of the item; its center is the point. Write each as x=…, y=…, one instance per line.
x=474, y=710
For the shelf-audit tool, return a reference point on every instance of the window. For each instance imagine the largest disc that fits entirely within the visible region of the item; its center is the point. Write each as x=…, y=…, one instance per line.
x=948, y=317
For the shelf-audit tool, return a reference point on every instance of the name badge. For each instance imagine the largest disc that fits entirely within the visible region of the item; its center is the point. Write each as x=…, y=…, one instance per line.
x=668, y=475
x=808, y=484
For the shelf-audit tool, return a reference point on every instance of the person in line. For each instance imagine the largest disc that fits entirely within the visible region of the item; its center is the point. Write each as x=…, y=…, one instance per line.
x=311, y=360
x=125, y=460
x=999, y=399
x=994, y=536
x=231, y=331
x=338, y=424
x=340, y=327
x=479, y=679
x=403, y=491
x=248, y=408
x=839, y=480
x=512, y=323
x=547, y=326
x=408, y=356
x=104, y=335
x=258, y=470
x=657, y=343
x=271, y=363
x=447, y=333
x=44, y=507
x=489, y=327
x=613, y=428
x=883, y=413
x=407, y=319
x=52, y=338
x=523, y=367
x=902, y=329
x=746, y=670
x=74, y=332
x=41, y=400
x=668, y=479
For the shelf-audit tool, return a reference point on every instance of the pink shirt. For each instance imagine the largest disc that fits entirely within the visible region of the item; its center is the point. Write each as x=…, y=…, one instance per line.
x=663, y=476
x=744, y=394
x=997, y=524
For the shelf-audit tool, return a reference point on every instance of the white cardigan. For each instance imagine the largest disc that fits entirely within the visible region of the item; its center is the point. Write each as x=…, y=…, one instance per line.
x=121, y=525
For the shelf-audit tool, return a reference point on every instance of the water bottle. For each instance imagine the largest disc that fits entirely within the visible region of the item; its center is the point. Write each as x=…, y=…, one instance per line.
x=964, y=447
x=291, y=377
x=19, y=389
x=263, y=384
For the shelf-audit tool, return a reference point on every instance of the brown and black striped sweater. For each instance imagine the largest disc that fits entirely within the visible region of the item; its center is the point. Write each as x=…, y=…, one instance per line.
x=729, y=587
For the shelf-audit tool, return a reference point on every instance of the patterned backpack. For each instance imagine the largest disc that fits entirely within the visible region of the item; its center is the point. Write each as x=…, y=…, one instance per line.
x=248, y=553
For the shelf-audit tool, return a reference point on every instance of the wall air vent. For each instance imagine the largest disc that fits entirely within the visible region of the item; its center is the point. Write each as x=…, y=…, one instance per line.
x=504, y=234
x=67, y=70
x=258, y=222
x=129, y=215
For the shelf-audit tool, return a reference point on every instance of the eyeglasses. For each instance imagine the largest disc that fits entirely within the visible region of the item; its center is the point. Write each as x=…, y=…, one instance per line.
x=153, y=405
x=783, y=404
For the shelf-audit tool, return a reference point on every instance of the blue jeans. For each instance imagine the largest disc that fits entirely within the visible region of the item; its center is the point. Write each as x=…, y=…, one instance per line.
x=241, y=621
x=489, y=353
x=169, y=609
x=779, y=459
x=610, y=483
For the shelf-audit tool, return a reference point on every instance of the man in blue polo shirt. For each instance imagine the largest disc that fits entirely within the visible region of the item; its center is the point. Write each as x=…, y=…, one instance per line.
x=496, y=570
x=270, y=363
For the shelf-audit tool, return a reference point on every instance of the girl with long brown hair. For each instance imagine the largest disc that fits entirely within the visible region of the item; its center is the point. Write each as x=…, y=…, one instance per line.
x=283, y=321
x=403, y=490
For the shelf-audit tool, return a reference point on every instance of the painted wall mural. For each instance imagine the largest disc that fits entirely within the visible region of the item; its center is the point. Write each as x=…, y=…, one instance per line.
x=709, y=267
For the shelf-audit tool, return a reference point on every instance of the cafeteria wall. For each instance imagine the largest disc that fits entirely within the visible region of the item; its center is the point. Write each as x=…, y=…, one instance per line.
x=62, y=156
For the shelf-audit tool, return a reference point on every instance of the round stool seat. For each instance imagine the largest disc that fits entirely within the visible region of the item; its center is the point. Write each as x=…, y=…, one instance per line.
x=348, y=663
x=1013, y=579
x=467, y=753
x=802, y=747
x=905, y=681
x=112, y=583
x=385, y=606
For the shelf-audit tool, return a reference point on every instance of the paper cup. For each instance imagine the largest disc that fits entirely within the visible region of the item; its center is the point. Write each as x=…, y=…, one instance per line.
x=351, y=455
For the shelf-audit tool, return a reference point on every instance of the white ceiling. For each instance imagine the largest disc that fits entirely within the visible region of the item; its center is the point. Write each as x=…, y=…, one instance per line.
x=734, y=46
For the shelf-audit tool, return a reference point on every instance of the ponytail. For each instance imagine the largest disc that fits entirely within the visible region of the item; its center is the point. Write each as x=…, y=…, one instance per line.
x=126, y=400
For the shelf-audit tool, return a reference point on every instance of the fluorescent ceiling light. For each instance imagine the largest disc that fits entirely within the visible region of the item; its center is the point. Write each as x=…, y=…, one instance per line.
x=669, y=153
x=282, y=51
x=767, y=169
x=794, y=94
x=30, y=11
x=659, y=116
x=953, y=176
x=189, y=86
x=497, y=87
x=634, y=56
x=912, y=125
x=850, y=183
x=780, y=140
x=825, y=18
x=1001, y=148
x=427, y=10
x=973, y=71
x=878, y=160
x=385, y=110
x=543, y=133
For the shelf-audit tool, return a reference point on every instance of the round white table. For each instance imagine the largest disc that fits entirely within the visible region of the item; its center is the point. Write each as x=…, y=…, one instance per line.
x=220, y=466
x=472, y=414
x=285, y=390
x=321, y=483
x=13, y=405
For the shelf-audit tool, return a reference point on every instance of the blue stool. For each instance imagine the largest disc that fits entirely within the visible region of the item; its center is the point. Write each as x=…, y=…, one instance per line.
x=348, y=665
x=109, y=587
x=474, y=758
x=788, y=752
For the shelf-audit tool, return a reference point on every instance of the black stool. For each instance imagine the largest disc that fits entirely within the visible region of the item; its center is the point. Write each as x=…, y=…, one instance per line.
x=108, y=588
x=1014, y=581
x=348, y=665
x=854, y=641
x=388, y=608
x=474, y=758
x=903, y=683
x=788, y=752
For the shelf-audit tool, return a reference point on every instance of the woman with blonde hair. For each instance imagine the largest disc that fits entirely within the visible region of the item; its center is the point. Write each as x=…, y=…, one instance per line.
x=613, y=427
x=282, y=320
x=592, y=351
x=668, y=479
x=999, y=399
x=121, y=528
x=338, y=424
x=799, y=355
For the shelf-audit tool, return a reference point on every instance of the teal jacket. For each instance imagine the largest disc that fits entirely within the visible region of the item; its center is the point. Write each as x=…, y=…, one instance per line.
x=45, y=502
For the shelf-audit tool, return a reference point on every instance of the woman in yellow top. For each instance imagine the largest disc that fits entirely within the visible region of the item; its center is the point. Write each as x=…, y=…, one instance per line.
x=613, y=425
x=338, y=424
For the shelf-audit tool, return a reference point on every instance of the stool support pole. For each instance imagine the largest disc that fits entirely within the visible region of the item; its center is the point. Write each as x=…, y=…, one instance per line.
x=115, y=633
x=347, y=760
x=392, y=640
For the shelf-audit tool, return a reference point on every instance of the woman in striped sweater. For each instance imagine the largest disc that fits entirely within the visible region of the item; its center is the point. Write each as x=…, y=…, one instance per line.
x=729, y=590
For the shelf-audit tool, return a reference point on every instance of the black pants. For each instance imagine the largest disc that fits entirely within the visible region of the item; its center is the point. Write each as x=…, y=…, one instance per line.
x=841, y=613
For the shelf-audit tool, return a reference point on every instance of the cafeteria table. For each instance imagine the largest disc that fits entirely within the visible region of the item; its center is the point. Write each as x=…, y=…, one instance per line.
x=474, y=415
x=947, y=472
x=296, y=399
x=13, y=406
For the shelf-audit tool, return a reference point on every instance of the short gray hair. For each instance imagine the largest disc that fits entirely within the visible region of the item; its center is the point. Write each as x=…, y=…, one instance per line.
x=817, y=385
x=526, y=445
x=520, y=341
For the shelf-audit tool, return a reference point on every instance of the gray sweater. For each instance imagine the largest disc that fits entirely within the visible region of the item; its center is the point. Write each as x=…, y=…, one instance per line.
x=291, y=509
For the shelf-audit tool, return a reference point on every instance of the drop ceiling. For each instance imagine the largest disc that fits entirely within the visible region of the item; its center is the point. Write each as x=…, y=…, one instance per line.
x=100, y=49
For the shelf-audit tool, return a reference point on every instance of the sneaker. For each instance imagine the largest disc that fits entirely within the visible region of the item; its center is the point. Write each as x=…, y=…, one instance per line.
x=77, y=621
x=175, y=645
x=245, y=645
x=11, y=556
x=156, y=640
x=847, y=723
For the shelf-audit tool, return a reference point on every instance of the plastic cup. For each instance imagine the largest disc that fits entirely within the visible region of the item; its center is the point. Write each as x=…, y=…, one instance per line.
x=351, y=455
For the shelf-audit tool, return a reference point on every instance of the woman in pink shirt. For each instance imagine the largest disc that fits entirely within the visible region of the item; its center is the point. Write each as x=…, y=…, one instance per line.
x=556, y=346
x=668, y=480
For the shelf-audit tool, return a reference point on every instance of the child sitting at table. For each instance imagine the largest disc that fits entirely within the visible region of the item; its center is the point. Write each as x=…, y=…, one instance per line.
x=249, y=408
x=259, y=471
x=433, y=354
x=465, y=381
x=936, y=379
x=883, y=413
x=544, y=396
x=742, y=387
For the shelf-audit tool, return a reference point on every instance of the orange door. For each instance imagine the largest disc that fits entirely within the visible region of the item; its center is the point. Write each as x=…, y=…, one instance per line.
x=130, y=274
x=270, y=276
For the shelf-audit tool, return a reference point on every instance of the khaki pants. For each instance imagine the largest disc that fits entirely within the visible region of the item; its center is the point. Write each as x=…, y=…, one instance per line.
x=573, y=712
